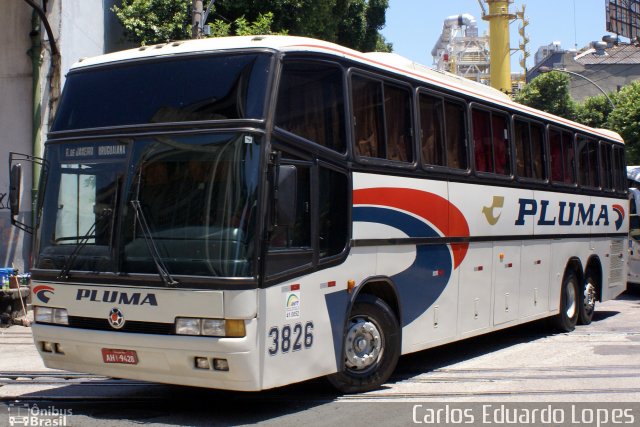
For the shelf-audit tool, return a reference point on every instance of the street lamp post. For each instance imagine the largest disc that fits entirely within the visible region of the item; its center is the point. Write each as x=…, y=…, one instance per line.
x=544, y=69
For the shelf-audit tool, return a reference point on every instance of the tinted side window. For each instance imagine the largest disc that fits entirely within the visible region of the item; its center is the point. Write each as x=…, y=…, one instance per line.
x=368, y=117
x=587, y=161
x=333, y=206
x=456, y=131
x=491, y=142
x=529, y=143
x=397, y=108
x=620, y=169
x=562, y=156
x=311, y=103
x=443, y=132
x=382, y=120
x=607, y=170
x=432, y=130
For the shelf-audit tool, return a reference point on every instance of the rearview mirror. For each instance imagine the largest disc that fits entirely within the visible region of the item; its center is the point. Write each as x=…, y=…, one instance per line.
x=15, y=185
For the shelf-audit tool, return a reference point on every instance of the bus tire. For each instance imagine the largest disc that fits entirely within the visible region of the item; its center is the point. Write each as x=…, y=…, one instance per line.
x=566, y=319
x=588, y=297
x=371, y=346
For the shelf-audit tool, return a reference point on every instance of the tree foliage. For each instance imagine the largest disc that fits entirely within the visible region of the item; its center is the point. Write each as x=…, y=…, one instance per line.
x=549, y=92
x=625, y=119
x=154, y=21
x=352, y=23
x=594, y=111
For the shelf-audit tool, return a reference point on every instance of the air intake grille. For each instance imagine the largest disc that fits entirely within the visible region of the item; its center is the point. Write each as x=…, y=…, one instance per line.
x=134, y=327
x=616, y=266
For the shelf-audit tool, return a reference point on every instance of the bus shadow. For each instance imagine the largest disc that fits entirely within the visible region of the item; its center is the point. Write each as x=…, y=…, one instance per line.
x=123, y=402
x=461, y=351
x=632, y=293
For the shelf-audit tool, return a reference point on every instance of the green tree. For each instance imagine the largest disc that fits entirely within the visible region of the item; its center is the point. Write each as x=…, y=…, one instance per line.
x=594, y=111
x=625, y=119
x=549, y=92
x=158, y=21
x=154, y=21
x=242, y=27
x=352, y=23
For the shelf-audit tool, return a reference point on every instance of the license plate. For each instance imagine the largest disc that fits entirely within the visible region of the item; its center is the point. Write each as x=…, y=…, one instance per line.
x=112, y=355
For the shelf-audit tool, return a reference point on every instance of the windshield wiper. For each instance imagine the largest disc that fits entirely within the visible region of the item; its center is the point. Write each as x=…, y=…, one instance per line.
x=66, y=268
x=163, y=272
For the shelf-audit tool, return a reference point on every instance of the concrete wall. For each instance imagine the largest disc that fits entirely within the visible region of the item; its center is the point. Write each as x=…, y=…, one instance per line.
x=81, y=28
x=15, y=123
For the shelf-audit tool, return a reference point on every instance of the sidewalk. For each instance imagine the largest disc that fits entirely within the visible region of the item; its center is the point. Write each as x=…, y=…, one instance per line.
x=18, y=352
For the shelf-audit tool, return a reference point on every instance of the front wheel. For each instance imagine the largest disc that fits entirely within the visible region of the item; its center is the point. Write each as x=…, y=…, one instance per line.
x=566, y=319
x=588, y=298
x=371, y=346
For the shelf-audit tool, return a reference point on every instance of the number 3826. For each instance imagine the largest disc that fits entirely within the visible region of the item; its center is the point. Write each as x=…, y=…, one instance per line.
x=290, y=338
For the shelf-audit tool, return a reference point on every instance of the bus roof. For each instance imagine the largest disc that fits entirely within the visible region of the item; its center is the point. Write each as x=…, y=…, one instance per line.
x=388, y=61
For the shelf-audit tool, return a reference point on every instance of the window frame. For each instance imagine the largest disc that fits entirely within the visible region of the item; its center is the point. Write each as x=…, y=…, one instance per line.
x=382, y=79
x=283, y=133
x=314, y=162
x=465, y=107
x=491, y=110
x=553, y=127
x=546, y=167
x=611, y=172
x=589, y=140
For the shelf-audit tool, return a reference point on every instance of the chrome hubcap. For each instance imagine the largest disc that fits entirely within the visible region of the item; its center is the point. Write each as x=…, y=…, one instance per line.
x=570, y=305
x=589, y=297
x=363, y=344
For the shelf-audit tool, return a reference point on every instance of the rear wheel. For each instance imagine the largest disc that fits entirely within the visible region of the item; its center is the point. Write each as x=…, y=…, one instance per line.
x=566, y=319
x=588, y=298
x=371, y=346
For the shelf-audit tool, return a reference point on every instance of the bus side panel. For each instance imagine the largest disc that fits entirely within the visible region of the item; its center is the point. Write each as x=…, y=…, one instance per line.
x=424, y=275
x=611, y=216
x=302, y=321
x=535, y=278
x=489, y=288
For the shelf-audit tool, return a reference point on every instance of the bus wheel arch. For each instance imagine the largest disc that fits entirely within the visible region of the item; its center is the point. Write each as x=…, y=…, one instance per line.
x=590, y=290
x=372, y=339
x=382, y=288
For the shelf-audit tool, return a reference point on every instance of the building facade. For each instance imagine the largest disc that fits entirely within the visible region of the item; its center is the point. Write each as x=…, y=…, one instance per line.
x=30, y=83
x=609, y=64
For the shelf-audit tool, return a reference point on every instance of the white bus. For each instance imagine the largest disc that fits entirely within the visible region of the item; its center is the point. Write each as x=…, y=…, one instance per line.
x=245, y=213
x=633, y=263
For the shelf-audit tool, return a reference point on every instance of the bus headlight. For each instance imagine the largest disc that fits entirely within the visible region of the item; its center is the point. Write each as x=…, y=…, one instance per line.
x=58, y=316
x=210, y=327
x=187, y=326
x=213, y=327
x=43, y=314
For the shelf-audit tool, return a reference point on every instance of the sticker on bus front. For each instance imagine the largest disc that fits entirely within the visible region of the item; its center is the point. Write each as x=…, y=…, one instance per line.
x=292, y=305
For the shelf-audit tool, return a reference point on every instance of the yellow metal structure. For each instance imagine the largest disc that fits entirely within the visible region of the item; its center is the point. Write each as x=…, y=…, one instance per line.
x=499, y=18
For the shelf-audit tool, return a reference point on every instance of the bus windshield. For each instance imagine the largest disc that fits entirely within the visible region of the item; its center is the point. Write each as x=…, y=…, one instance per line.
x=196, y=193
x=227, y=86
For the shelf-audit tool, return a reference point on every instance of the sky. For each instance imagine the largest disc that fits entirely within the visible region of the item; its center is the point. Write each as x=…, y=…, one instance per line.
x=413, y=26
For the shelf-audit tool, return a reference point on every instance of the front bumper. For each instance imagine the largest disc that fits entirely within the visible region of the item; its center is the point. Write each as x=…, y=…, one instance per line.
x=161, y=358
